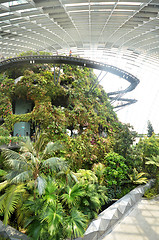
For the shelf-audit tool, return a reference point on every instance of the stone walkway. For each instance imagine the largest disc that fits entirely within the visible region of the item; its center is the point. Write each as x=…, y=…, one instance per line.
x=141, y=224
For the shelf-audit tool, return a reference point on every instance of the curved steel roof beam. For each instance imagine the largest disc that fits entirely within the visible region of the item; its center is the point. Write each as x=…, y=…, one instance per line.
x=141, y=41
x=22, y=16
x=143, y=32
x=59, y=3
x=107, y=20
x=39, y=30
x=135, y=12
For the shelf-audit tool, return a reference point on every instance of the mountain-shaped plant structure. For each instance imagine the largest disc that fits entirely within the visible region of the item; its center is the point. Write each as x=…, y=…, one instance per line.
x=60, y=103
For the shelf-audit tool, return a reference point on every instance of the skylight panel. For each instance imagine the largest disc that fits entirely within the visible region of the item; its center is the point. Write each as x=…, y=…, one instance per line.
x=4, y=14
x=14, y=3
x=130, y=3
x=102, y=3
x=26, y=10
x=76, y=4
x=101, y=10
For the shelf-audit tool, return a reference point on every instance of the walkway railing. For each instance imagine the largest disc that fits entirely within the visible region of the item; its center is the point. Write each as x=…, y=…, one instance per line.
x=35, y=59
x=108, y=218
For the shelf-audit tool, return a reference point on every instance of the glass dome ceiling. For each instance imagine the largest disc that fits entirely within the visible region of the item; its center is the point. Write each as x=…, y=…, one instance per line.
x=122, y=33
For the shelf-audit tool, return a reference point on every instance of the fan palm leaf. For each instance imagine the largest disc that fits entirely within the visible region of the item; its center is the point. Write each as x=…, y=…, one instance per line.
x=51, y=192
x=27, y=167
x=76, y=223
x=72, y=194
x=54, y=217
x=34, y=228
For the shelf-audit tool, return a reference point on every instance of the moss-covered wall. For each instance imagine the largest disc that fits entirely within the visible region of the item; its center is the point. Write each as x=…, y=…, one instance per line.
x=61, y=105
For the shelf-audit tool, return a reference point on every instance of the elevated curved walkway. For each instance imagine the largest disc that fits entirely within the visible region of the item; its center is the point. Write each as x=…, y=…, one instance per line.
x=127, y=100
x=106, y=221
x=35, y=59
x=141, y=224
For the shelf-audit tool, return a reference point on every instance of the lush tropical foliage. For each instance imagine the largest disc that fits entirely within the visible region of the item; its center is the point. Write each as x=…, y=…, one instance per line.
x=60, y=180
x=45, y=195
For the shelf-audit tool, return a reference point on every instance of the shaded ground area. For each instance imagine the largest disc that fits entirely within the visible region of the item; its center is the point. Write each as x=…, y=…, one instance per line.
x=141, y=224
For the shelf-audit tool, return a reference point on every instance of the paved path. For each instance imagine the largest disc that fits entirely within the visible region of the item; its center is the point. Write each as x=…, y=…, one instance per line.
x=141, y=224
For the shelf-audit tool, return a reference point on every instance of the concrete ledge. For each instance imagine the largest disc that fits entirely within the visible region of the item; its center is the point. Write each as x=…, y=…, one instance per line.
x=108, y=218
x=9, y=232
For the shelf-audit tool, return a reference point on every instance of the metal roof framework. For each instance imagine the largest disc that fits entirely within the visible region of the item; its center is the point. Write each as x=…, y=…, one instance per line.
x=105, y=31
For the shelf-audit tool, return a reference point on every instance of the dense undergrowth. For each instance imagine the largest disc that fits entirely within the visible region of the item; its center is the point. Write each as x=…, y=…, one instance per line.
x=61, y=181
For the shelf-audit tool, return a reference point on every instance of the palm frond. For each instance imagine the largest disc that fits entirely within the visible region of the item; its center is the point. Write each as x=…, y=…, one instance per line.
x=55, y=163
x=2, y=202
x=27, y=146
x=34, y=228
x=72, y=174
x=95, y=201
x=3, y=185
x=40, y=141
x=73, y=194
x=52, y=147
x=12, y=156
x=67, y=176
x=41, y=185
x=29, y=156
x=20, y=212
x=32, y=205
x=54, y=218
x=13, y=194
x=2, y=173
x=76, y=223
x=51, y=192
x=19, y=177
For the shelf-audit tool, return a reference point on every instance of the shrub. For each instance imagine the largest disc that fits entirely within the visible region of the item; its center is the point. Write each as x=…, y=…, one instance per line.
x=116, y=169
